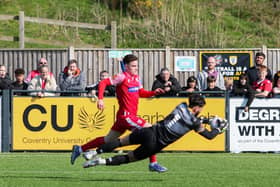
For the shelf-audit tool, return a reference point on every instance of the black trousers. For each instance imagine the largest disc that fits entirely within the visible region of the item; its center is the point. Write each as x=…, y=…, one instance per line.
x=148, y=141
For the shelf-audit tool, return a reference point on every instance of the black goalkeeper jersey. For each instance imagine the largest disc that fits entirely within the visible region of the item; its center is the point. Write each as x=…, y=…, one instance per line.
x=176, y=125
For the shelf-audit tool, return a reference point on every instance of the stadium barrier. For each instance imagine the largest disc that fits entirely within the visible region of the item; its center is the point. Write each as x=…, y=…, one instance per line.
x=56, y=123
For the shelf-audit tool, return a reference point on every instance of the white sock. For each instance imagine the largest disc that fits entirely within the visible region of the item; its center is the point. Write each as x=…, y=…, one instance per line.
x=153, y=163
x=102, y=161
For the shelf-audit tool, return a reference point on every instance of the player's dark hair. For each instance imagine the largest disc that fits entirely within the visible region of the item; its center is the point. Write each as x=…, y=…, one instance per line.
x=129, y=58
x=19, y=71
x=196, y=100
x=260, y=54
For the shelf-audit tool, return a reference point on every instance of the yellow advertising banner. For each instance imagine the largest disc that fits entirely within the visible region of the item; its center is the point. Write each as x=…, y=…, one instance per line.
x=56, y=123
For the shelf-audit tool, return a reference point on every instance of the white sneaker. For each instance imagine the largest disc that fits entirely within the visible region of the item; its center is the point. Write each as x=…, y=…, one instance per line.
x=91, y=163
x=89, y=155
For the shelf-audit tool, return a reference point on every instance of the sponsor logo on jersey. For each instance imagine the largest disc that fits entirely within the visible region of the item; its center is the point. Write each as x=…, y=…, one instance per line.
x=133, y=89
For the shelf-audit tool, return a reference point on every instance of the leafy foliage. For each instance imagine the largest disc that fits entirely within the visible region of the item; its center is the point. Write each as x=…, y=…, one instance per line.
x=152, y=23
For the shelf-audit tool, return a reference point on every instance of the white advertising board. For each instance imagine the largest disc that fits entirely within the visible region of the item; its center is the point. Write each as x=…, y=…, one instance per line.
x=255, y=130
x=0, y=124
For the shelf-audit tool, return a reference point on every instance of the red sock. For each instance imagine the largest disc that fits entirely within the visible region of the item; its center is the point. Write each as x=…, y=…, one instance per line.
x=93, y=143
x=153, y=159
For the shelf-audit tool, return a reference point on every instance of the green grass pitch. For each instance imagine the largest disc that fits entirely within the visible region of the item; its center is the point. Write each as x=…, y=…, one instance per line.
x=185, y=169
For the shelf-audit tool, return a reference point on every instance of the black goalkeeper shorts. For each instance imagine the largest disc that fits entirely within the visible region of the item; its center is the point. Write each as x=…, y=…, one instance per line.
x=147, y=139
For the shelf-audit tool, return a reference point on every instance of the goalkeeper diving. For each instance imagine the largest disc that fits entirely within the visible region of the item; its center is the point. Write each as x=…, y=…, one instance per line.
x=183, y=119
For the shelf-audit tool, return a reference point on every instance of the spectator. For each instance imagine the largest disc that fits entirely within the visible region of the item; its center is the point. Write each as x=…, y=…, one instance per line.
x=43, y=82
x=211, y=71
x=191, y=87
x=19, y=84
x=211, y=87
x=276, y=85
x=167, y=82
x=34, y=73
x=262, y=85
x=243, y=88
x=109, y=90
x=252, y=72
x=72, y=79
x=5, y=80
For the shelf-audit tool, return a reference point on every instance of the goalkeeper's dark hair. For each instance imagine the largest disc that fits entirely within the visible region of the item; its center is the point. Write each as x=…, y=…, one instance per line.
x=196, y=100
x=129, y=58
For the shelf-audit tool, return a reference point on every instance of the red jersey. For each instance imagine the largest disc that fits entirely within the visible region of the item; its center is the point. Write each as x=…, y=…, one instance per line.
x=264, y=85
x=128, y=91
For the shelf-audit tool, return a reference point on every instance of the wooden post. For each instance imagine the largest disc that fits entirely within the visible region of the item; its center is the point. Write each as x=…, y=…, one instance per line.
x=21, y=29
x=71, y=53
x=113, y=34
x=167, y=57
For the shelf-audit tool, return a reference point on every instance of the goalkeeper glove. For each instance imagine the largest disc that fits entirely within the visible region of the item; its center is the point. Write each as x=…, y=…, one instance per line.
x=219, y=124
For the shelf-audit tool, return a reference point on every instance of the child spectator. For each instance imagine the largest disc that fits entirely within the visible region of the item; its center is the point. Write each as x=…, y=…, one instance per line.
x=243, y=88
x=211, y=83
x=109, y=90
x=191, y=87
x=19, y=84
x=262, y=86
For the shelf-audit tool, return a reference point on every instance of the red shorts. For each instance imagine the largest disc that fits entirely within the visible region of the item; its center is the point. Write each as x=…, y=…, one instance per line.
x=128, y=122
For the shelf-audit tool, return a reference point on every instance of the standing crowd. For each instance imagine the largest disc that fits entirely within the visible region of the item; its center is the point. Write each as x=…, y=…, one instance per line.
x=257, y=81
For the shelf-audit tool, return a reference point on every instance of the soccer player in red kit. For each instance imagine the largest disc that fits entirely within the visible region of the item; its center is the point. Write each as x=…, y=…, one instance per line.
x=128, y=91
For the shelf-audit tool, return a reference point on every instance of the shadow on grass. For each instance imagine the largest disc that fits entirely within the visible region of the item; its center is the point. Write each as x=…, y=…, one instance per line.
x=76, y=179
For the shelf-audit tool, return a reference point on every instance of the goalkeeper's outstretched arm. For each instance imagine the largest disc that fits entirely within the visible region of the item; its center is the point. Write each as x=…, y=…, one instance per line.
x=217, y=124
x=209, y=134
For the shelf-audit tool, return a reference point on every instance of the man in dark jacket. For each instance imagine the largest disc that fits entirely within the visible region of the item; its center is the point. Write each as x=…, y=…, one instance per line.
x=252, y=73
x=167, y=82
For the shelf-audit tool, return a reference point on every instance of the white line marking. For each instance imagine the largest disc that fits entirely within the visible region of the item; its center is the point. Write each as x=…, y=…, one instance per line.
x=175, y=155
